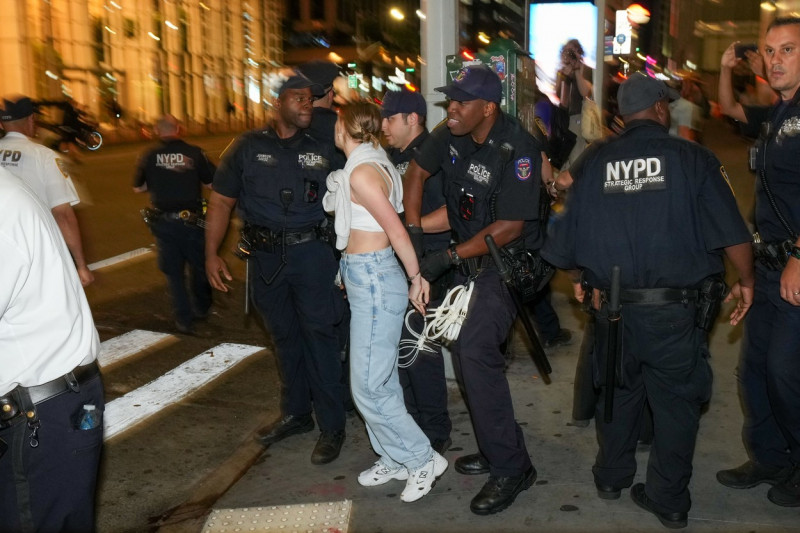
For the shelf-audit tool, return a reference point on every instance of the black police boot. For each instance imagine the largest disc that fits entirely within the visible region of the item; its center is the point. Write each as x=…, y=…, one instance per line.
x=441, y=445
x=472, y=465
x=328, y=447
x=751, y=474
x=787, y=492
x=499, y=492
x=607, y=492
x=285, y=427
x=670, y=520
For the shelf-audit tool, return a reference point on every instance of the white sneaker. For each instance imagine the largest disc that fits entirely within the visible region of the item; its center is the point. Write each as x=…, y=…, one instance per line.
x=380, y=473
x=422, y=480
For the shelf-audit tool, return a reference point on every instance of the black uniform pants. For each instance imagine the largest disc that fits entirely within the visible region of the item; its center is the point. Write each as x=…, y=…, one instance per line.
x=480, y=367
x=769, y=375
x=425, y=386
x=179, y=244
x=301, y=309
x=664, y=360
x=51, y=488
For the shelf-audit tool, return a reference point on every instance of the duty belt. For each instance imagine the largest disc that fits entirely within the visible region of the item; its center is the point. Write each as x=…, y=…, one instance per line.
x=266, y=239
x=655, y=296
x=12, y=406
x=473, y=265
x=185, y=215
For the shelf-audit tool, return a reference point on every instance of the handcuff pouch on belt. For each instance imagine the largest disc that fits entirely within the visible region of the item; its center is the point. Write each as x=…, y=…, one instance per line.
x=773, y=255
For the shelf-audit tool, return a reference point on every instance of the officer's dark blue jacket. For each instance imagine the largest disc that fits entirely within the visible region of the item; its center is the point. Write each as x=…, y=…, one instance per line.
x=261, y=165
x=497, y=180
x=778, y=157
x=173, y=172
x=658, y=206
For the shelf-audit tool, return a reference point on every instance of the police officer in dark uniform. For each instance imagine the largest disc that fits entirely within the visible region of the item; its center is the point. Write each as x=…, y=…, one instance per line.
x=490, y=168
x=422, y=374
x=661, y=209
x=769, y=369
x=276, y=178
x=173, y=174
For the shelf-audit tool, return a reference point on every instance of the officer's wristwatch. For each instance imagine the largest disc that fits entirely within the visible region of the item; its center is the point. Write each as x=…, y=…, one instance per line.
x=454, y=255
x=795, y=252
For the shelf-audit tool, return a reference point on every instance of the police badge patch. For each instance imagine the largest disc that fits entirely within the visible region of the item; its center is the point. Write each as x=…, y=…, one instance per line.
x=523, y=168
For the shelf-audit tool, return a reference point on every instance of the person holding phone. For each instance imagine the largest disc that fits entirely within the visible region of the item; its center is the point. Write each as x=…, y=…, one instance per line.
x=573, y=84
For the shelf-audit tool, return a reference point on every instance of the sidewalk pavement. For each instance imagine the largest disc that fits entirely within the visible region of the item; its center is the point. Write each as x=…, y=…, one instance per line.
x=563, y=497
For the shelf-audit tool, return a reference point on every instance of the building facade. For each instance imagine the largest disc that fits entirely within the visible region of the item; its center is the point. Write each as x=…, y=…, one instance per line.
x=204, y=61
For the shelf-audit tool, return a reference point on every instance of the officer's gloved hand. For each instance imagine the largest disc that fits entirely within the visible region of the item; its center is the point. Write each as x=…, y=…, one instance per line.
x=434, y=264
x=416, y=235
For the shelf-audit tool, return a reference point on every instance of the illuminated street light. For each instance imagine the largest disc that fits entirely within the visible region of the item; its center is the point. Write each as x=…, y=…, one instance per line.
x=153, y=36
x=396, y=14
x=170, y=25
x=421, y=15
x=482, y=37
x=109, y=30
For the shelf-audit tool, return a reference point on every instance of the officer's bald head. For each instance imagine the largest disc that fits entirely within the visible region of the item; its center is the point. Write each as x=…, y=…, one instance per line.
x=168, y=126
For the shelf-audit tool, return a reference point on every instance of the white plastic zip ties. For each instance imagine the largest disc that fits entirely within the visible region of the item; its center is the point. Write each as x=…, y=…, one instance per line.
x=441, y=324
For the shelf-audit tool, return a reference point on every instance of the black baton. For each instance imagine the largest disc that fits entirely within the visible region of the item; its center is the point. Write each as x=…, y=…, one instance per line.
x=539, y=357
x=613, y=343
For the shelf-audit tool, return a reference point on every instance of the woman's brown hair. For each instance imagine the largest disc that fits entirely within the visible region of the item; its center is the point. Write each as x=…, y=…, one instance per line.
x=362, y=122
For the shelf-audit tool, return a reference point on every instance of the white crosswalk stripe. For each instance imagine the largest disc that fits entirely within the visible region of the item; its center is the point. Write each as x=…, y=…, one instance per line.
x=133, y=342
x=134, y=407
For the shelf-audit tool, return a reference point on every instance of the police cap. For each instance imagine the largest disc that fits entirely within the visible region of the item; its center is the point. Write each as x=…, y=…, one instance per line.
x=322, y=73
x=640, y=91
x=295, y=82
x=476, y=82
x=403, y=101
x=16, y=107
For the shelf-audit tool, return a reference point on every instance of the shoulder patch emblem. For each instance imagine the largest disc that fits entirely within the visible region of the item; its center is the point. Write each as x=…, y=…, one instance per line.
x=524, y=169
x=725, y=177
x=62, y=166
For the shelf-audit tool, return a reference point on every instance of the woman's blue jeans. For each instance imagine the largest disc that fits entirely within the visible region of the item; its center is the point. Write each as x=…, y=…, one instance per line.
x=378, y=296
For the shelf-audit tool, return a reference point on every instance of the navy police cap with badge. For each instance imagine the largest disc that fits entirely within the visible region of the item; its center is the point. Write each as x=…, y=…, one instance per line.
x=16, y=107
x=403, y=101
x=322, y=73
x=640, y=91
x=295, y=82
x=476, y=82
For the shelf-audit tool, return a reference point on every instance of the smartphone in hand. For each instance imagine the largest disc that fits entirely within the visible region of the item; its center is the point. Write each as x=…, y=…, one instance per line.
x=742, y=48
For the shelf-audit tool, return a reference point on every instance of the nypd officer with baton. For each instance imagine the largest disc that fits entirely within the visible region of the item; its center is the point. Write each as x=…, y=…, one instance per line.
x=661, y=209
x=491, y=170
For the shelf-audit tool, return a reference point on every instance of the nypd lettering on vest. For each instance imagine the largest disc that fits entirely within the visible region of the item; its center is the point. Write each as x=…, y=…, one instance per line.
x=635, y=175
x=312, y=160
x=10, y=156
x=479, y=173
x=174, y=161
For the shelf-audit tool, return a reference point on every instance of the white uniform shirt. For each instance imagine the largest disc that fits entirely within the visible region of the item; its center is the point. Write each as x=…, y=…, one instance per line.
x=46, y=326
x=39, y=167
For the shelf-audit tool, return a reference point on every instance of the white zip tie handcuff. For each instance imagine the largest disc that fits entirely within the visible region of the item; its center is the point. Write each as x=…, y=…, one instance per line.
x=442, y=324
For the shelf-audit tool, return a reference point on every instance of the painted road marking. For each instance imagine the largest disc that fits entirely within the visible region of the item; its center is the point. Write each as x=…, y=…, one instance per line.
x=120, y=258
x=127, y=411
x=323, y=517
x=115, y=350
